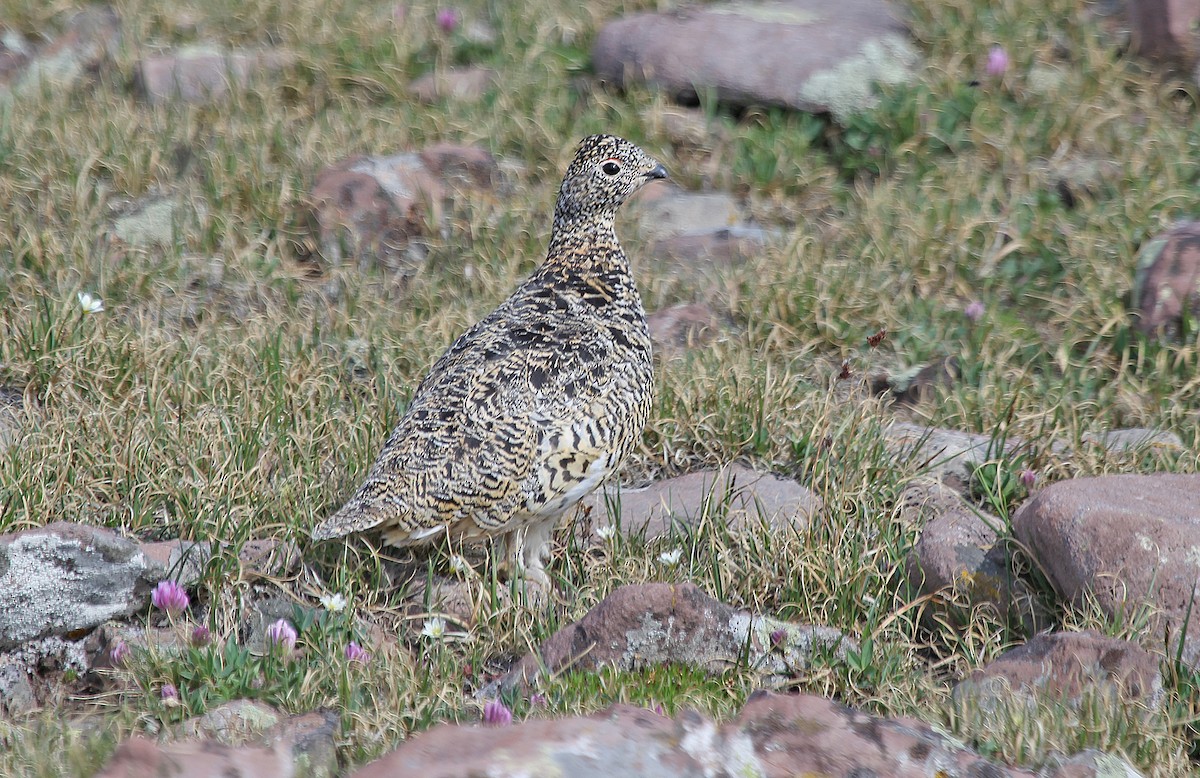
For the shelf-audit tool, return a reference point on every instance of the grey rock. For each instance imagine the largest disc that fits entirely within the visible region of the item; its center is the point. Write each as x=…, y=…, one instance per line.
x=232, y=723
x=458, y=84
x=712, y=247
x=1132, y=439
x=90, y=38
x=16, y=690
x=949, y=455
x=803, y=54
x=1092, y=764
x=685, y=327
x=66, y=577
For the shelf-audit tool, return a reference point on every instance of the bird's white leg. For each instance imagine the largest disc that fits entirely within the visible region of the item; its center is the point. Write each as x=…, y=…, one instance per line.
x=537, y=550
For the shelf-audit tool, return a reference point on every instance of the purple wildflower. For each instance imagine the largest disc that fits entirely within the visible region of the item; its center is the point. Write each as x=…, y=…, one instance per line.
x=997, y=61
x=1028, y=478
x=169, y=596
x=119, y=652
x=201, y=636
x=974, y=311
x=447, y=20
x=536, y=699
x=169, y=693
x=356, y=653
x=497, y=714
x=282, y=633
x=777, y=638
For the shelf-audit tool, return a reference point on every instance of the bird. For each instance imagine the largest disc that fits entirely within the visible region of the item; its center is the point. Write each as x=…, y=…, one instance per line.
x=535, y=405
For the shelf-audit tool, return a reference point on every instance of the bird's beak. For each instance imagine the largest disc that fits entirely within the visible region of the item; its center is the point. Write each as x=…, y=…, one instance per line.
x=658, y=172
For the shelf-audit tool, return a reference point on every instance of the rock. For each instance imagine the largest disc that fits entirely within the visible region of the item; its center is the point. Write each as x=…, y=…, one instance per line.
x=657, y=623
x=65, y=577
x=803, y=54
x=751, y=497
x=1063, y=666
x=1092, y=764
x=775, y=736
x=375, y=209
x=204, y=73
x=233, y=723
x=142, y=758
x=684, y=327
x=681, y=213
x=458, y=84
x=16, y=690
x=1124, y=539
x=918, y=385
x=157, y=221
x=949, y=455
x=960, y=555
x=1165, y=30
x=313, y=738
x=1132, y=439
x=37, y=670
x=91, y=37
x=308, y=738
x=1075, y=177
x=718, y=247
x=1166, y=284
x=186, y=560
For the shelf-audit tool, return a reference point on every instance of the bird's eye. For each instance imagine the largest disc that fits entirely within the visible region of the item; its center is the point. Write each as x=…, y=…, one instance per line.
x=611, y=167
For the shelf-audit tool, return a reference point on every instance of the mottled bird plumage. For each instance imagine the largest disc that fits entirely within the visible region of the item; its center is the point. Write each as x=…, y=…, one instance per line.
x=539, y=402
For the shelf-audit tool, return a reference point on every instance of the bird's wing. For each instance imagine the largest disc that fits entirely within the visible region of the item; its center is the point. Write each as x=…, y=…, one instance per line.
x=465, y=458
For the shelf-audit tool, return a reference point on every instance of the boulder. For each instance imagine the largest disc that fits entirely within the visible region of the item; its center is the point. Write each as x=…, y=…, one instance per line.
x=66, y=577
x=650, y=624
x=1127, y=541
x=775, y=736
x=808, y=55
x=684, y=327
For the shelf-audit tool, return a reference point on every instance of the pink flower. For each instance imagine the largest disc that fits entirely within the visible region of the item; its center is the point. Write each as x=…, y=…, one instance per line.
x=169, y=692
x=997, y=61
x=777, y=637
x=1028, y=478
x=119, y=652
x=282, y=633
x=447, y=20
x=168, y=595
x=356, y=653
x=537, y=698
x=975, y=311
x=201, y=636
x=497, y=714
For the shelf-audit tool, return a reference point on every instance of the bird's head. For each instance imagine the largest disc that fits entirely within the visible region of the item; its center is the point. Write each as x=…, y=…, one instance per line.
x=605, y=172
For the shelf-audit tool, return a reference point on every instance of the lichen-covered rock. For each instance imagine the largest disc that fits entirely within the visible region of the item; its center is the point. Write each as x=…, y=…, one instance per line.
x=808, y=55
x=204, y=73
x=65, y=577
x=775, y=736
x=657, y=623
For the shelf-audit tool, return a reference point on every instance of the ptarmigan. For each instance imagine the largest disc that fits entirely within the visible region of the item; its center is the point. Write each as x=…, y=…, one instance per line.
x=538, y=403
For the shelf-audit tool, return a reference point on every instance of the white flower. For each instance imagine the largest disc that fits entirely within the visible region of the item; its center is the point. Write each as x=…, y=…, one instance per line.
x=671, y=557
x=90, y=304
x=333, y=602
x=606, y=532
x=434, y=628
x=458, y=564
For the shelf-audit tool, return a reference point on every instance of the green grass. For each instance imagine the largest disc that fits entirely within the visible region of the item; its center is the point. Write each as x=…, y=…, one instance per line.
x=229, y=391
